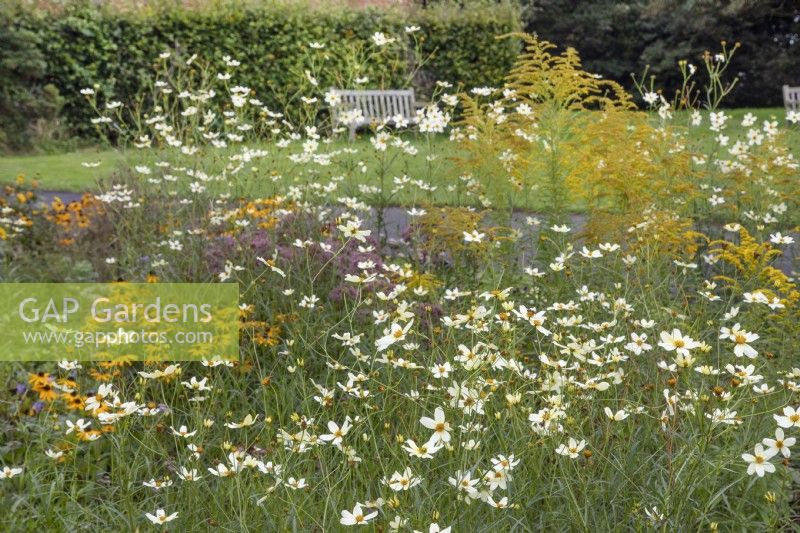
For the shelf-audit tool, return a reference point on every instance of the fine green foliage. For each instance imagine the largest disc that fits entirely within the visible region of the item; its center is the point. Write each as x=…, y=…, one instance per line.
x=457, y=368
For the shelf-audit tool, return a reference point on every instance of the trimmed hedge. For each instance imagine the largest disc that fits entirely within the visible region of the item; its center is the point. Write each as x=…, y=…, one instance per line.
x=83, y=46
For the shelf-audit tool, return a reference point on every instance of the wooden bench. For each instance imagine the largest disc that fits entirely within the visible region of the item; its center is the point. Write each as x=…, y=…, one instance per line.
x=791, y=98
x=375, y=105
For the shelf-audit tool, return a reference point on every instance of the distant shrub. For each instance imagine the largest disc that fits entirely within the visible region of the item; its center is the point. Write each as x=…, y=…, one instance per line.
x=29, y=105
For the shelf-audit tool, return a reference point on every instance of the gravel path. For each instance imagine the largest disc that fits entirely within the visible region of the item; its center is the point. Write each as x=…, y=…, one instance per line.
x=46, y=197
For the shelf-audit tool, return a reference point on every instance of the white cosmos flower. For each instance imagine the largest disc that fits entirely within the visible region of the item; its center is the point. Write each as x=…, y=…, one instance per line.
x=402, y=481
x=463, y=482
x=678, y=342
x=474, y=236
x=533, y=317
x=396, y=333
x=9, y=472
x=336, y=433
x=790, y=418
x=440, y=427
x=182, y=432
x=778, y=238
x=53, y=454
x=356, y=517
x=758, y=461
x=742, y=339
x=353, y=230
x=381, y=39
x=78, y=426
x=441, y=371
x=161, y=517
x=571, y=449
x=780, y=444
x=424, y=451
x=638, y=344
x=502, y=503
x=189, y=475
x=296, y=484
x=249, y=420
x=619, y=416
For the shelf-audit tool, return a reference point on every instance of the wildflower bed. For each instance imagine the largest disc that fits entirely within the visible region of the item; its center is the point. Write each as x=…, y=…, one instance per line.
x=82, y=170
x=468, y=373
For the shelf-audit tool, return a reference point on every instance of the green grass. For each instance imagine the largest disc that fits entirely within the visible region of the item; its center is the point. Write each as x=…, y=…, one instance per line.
x=60, y=172
x=65, y=172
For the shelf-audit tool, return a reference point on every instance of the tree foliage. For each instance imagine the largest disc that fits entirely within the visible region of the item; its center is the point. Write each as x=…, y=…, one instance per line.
x=619, y=37
x=27, y=101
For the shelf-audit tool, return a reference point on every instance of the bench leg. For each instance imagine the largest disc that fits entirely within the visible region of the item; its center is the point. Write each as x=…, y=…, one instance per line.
x=352, y=132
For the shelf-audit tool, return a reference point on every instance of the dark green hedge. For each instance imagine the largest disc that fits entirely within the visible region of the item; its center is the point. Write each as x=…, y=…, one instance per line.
x=82, y=46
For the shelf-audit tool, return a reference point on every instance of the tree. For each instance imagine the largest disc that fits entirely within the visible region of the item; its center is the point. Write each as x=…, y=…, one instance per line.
x=620, y=37
x=767, y=30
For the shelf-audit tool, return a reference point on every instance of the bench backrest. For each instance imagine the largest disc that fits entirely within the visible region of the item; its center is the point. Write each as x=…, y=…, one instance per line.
x=379, y=104
x=791, y=98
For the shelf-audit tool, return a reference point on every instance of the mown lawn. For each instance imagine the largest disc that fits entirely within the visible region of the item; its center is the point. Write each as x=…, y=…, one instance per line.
x=60, y=172
x=81, y=170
